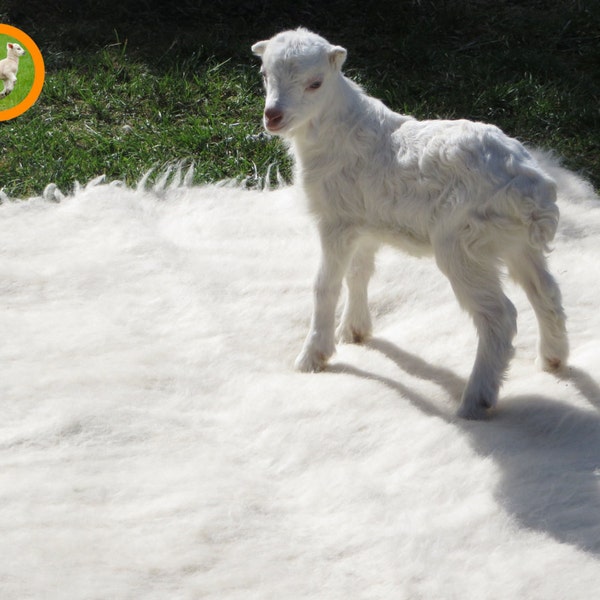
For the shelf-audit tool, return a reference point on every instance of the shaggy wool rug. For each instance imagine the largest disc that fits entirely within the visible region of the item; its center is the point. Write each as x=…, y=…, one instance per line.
x=156, y=443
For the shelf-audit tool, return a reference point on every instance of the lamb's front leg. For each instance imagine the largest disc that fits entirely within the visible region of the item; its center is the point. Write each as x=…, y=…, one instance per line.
x=336, y=246
x=355, y=326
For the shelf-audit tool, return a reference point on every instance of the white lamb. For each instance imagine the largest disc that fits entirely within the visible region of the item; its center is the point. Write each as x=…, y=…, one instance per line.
x=462, y=191
x=9, y=67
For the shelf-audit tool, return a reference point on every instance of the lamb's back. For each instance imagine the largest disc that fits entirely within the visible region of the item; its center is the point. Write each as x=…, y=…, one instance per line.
x=444, y=151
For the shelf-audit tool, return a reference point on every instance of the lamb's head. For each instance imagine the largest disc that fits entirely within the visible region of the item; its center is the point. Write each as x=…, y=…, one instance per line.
x=299, y=70
x=14, y=49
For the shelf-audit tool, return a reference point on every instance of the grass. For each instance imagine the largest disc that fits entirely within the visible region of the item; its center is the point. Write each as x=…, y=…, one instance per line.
x=25, y=75
x=121, y=99
x=107, y=114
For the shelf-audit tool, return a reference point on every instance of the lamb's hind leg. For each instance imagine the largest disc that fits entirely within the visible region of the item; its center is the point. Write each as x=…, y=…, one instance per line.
x=9, y=85
x=355, y=326
x=528, y=268
x=477, y=286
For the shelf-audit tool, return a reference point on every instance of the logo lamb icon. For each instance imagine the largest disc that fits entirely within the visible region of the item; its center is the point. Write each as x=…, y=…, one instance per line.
x=21, y=72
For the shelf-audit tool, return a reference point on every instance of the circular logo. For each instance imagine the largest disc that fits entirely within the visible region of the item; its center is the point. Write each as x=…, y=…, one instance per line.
x=21, y=72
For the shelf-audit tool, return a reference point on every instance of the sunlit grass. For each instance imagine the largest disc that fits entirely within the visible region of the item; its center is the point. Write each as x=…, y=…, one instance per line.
x=108, y=114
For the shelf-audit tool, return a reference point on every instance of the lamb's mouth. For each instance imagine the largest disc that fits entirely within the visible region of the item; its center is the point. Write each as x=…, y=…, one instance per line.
x=275, y=125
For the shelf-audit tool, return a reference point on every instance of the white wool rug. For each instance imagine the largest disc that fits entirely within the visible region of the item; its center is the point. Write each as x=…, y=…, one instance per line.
x=155, y=442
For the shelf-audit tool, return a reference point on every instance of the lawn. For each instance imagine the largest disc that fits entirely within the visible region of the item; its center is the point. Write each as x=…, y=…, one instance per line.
x=133, y=86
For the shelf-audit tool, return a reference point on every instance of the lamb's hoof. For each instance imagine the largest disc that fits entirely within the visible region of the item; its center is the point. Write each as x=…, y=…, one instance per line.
x=552, y=364
x=310, y=362
x=346, y=334
x=475, y=405
x=470, y=412
x=553, y=354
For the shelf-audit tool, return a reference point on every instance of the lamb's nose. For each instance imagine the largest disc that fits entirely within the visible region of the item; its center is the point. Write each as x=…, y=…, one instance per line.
x=273, y=118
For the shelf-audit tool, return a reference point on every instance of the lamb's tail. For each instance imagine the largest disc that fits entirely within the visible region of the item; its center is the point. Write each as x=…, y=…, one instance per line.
x=533, y=197
x=543, y=219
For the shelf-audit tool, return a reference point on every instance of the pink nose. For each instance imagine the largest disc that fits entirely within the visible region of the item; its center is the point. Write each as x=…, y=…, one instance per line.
x=273, y=118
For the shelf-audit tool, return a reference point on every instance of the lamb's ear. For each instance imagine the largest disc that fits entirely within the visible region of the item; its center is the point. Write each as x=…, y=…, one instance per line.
x=337, y=56
x=260, y=47
x=9, y=46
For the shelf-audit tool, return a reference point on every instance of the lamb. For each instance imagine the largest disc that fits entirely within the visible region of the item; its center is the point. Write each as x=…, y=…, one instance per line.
x=9, y=67
x=459, y=190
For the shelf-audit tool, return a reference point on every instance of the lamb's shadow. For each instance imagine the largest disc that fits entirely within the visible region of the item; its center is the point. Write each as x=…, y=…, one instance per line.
x=548, y=452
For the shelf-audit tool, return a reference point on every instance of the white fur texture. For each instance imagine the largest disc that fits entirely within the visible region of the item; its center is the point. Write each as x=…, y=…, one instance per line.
x=9, y=67
x=462, y=191
x=154, y=442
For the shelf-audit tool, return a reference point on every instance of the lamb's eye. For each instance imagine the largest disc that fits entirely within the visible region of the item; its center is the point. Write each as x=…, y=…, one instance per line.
x=315, y=85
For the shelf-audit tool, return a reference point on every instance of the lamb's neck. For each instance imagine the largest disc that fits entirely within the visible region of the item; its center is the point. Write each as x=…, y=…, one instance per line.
x=347, y=103
x=334, y=123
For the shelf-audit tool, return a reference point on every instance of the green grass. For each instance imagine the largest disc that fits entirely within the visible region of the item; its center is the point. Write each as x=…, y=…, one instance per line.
x=181, y=85
x=25, y=75
x=107, y=114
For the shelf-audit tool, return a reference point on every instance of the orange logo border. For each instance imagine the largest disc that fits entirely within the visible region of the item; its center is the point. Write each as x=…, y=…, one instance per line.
x=39, y=72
